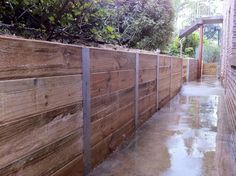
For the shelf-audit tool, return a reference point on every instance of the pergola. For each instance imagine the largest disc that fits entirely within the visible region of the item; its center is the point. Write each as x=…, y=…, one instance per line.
x=199, y=23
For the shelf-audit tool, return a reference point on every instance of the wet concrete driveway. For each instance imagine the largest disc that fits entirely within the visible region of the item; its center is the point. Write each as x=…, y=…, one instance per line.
x=182, y=139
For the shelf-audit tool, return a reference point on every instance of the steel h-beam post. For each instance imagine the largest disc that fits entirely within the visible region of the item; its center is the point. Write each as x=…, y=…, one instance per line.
x=86, y=111
x=158, y=79
x=136, y=90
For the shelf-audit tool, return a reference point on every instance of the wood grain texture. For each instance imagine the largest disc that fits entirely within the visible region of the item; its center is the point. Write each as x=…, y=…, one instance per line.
x=164, y=87
x=147, y=102
x=176, y=76
x=147, y=88
x=147, y=114
x=109, y=60
x=108, y=82
x=21, y=137
x=21, y=98
x=185, y=71
x=176, y=65
x=112, y=104
x=73, y=168
x=109, y=124
x=193, y=69
x=164, y=60
x=104, y=105
x=21, y=58
x=102, y=149
x=40, y=106
x=210, y=69
x=48, y=159
x=147, y=75
x=147, y=61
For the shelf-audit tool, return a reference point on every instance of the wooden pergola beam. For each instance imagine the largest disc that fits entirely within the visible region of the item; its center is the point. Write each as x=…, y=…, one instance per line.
x=199, y=22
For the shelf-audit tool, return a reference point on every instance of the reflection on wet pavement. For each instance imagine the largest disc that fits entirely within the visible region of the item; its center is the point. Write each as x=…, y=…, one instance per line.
x=179, y=140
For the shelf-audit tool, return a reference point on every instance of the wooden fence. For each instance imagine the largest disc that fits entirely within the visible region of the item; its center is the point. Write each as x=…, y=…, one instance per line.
x=65, y=108
x=190, y=69
x=210, y=69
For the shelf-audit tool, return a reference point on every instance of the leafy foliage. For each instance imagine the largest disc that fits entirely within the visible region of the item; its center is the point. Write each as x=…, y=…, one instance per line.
x=189, y=43
x=147, y=24
x=135, y=23
x=54, y=19
x=211, y=49
x=211, y=52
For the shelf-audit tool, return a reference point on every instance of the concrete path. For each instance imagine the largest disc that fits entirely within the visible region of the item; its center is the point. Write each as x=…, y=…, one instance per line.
x=185, y=138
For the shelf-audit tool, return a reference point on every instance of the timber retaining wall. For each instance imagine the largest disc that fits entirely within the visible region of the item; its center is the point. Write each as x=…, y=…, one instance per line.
x=64, y=107
x=190, y=69
x=210, y=69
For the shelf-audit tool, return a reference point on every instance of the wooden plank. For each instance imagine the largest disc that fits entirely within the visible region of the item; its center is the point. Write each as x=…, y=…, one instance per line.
x=103, y=105
x=176, y=65
x=126, y=97
x=107, y=82
x=103, y=127
x=121, y=135
x=147, y=75
x=164, y=94
x=110, y=60
x=164, y=84
x=164, y=72
x=114, y=121
x=210, y=69
x=147, y=88
x=164, y=99
x=101, y=150
x=147, y=114
x=73, y=168
x=21, y=58
x=21, y=98
x=147, y=102
x=193, y=66
x=147, y=61
x=27, y=135
x=48, y=159
x=164, y=60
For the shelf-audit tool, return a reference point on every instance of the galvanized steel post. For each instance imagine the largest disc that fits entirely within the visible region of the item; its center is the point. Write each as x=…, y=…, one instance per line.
x=86, y=111
x=136, y=89
x=158, y=79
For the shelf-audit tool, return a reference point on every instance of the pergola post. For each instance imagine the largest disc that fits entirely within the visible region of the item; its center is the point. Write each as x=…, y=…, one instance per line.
x=200, y=50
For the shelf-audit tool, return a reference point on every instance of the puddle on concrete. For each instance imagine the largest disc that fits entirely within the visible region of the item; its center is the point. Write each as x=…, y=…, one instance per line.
x=179, y=140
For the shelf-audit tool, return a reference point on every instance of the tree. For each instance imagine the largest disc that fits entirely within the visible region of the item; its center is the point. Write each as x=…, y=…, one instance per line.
x=211, y=52
x=54, y=19
x=190, y=45
x=145, y=24
x=134, y=23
